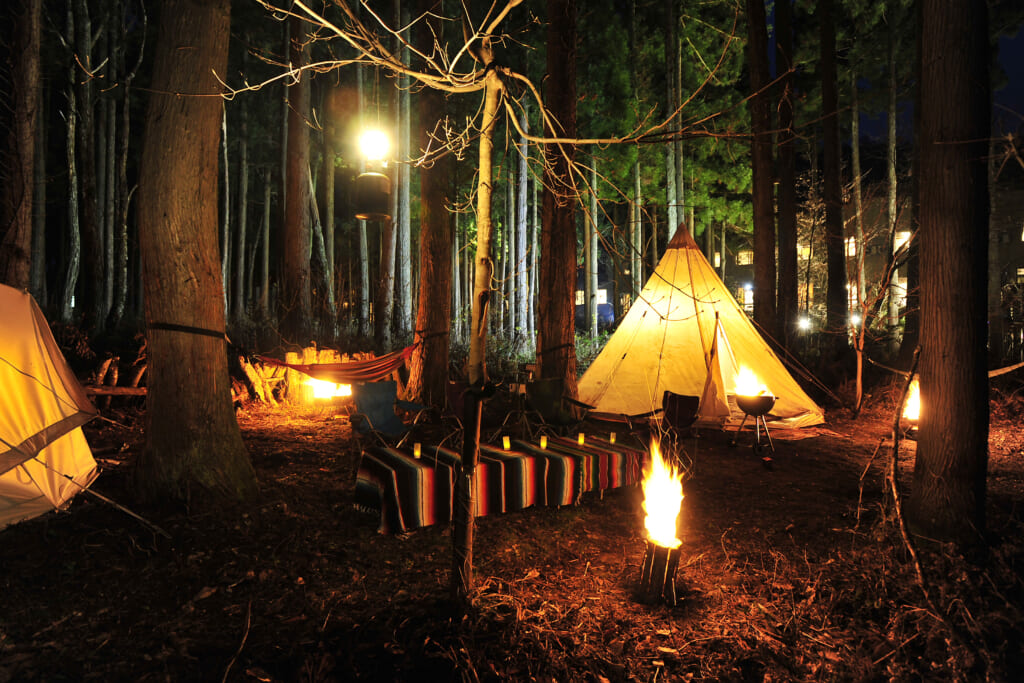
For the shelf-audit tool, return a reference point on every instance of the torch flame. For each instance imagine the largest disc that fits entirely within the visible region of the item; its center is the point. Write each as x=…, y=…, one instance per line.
x=324, y=389
x=912, y=408
x=663, y=494
x=748, y=384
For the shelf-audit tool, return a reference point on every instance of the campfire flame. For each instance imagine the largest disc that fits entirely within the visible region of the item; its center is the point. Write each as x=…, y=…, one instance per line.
x=663, y=494
x=912, y=408
x=323, y=389
x=748, y=384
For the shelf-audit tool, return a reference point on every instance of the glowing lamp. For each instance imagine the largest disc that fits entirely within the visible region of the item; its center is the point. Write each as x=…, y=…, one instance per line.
x=374, y=145
x=373, y=188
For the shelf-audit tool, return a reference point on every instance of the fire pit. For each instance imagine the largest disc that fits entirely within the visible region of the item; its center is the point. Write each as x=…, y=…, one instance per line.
x=663, y=496
x=754, y=399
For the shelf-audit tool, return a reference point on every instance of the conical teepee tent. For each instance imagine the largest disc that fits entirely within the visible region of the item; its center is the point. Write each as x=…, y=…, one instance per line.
x=44, y=457
x=669, y=340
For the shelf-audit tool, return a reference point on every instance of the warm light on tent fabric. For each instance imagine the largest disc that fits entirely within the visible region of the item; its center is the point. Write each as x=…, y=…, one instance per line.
x=41, y=441
x=663, y=495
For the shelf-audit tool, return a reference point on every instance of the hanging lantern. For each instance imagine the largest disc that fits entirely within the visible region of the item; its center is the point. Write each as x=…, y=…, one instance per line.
x=373, y=188
x=373, y=196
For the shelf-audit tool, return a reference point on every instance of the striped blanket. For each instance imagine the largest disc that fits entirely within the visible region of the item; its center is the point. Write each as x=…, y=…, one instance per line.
x=408, y=493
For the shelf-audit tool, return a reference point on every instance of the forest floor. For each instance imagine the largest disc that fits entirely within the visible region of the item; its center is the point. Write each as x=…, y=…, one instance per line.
x=797, y=573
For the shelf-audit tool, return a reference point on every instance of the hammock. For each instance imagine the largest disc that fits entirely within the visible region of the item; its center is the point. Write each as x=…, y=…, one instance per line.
x=352, y=372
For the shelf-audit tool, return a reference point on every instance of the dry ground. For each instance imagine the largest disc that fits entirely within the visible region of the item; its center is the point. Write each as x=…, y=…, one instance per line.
x=797, y=573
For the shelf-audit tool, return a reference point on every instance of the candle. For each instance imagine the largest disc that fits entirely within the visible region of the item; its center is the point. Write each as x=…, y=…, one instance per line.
x=417, y=449
x=506, y=442
x=543, y=441
x=611, y=437
x=579, y=439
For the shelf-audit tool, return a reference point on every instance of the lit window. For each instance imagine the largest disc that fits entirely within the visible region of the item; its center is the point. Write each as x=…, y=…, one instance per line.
x=902, y=237
x=1020, y=276
x=579, y=297
x=803, y=251
x=602, y=296
x=851, y=246
x=745, y=257
x=718, y=259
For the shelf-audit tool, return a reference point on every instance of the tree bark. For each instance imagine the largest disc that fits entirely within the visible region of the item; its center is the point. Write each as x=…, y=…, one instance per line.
x=296, y=294
x=90, y=286
x=428, y=372
x=788, y=294
x=556, y=345
x=590, y=256
x=761, y=162
x=463, y=518
x=403, y=253
x=74, y=246
x=240, y=300
x=17, y=169
x=947, y=498
x=522, y=282
x=194, y=451
x=837, y=303
x=891, y=187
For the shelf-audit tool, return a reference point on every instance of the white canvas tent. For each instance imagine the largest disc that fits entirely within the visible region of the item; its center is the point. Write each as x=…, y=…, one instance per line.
x=44, y=457
x=686, y=334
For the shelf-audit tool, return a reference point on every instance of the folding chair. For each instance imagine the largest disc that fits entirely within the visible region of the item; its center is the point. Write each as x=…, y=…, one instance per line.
x=679, y=412
x=375, y=404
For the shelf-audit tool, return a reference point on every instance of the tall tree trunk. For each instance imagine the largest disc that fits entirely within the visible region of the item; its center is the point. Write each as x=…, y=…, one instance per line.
x=556, y=346
x=458, y=314
x=194, y=451
x=837, y=304
x=590, y=256
x=38, y=278
x=522, y=283
x=296, y=295
x=788, y=294
x=264, y=306
x=761, y=161
x=326, y=311
x=635, y=231
x=534, y=260
x=225, y=218
x=428, y=371
x=123, y=193
x=463, y=519
x=90, y=286
x=890, y=204
x=22, y=39
x=947, y=498
x=364, y=247
x=403, y=255
x=385, y=303
x=240, y=300
x=329, y=220
x=74, y=253
x=858, y=201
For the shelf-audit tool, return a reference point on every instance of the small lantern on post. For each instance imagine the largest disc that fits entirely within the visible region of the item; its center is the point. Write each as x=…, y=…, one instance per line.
x=373, y=187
